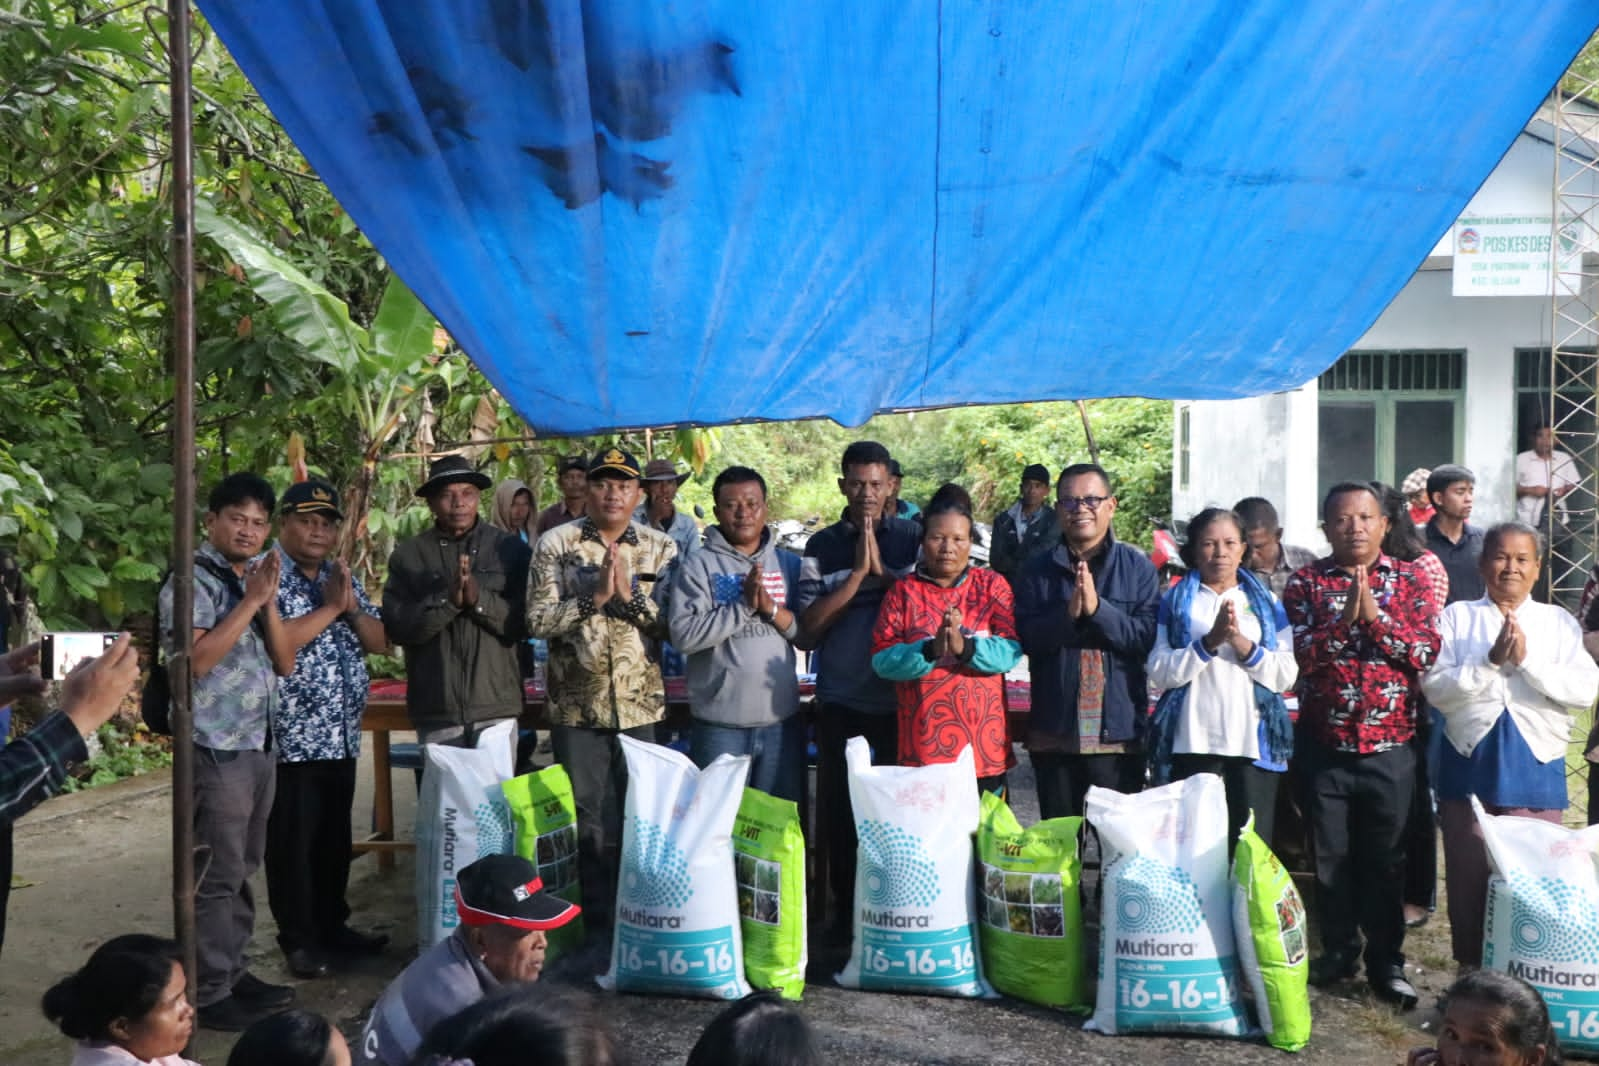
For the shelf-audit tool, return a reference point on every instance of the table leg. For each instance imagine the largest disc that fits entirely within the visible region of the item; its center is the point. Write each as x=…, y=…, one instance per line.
x=382, y=797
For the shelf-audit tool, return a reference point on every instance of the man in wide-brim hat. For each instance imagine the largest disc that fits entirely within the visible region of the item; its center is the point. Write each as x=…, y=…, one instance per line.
x=659, y=511
x=455, y=601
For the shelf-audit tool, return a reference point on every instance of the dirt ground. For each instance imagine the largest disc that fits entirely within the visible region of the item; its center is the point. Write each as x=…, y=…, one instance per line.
x=98, y=864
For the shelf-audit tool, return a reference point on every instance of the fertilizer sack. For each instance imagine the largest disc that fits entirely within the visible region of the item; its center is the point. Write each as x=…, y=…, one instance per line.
x=1542, y=921
x=1269, y=922
x=769, y=866
x=915, y=890
x=544, y=814
x=1030, y=913
x=461, y=816
x=1167, y=962
x=677, y=922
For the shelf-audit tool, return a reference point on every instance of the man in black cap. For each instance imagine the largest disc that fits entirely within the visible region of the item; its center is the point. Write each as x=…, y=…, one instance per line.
x=506, y=915
x=329, y=626
x=571, y=475
x=896, y=507
x=1028, y=527
x=455, y=601
x=597, y=594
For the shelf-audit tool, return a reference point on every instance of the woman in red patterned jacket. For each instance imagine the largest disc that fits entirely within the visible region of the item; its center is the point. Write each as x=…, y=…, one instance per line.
x=945, y=636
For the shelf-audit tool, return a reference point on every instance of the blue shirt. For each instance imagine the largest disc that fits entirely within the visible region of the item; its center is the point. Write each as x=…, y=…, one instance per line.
x=234, y=702
x=321, y=703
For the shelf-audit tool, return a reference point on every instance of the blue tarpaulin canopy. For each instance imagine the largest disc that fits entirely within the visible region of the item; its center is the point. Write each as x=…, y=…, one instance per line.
x=640, y=212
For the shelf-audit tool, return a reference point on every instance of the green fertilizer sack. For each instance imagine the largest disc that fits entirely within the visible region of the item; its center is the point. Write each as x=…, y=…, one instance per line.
x=769, y=862
x=1030, y=925
x=545, y=815
x=1269, y=923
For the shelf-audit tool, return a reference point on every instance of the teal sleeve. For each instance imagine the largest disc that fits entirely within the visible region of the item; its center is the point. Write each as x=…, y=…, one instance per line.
x=902, y=662
x=993, y=655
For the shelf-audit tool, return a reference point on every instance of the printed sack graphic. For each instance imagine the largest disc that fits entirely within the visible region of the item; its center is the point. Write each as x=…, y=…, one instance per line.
x=1167, y=961
x=915, y=899
x=1542, y=923
x=544, y=814
x=769, y=867
x=461, y=816
x=1269, y=922
x=1029, y=909
x=677, y=922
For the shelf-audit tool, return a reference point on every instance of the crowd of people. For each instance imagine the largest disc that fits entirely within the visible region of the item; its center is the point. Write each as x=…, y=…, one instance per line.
x=1421, y=663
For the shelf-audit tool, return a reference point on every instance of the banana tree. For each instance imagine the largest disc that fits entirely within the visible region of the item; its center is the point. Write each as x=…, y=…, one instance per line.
x=379, y=375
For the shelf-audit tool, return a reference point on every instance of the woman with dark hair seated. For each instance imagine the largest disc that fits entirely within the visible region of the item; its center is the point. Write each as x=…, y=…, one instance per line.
x=1224, y=654
x=126, y=1006
x=520, y=1026
x=758, y=1030
x=946, y=635
x=293, y=1038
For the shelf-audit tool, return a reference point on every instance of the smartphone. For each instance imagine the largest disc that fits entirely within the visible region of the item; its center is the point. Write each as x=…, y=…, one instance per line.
x=59, y=653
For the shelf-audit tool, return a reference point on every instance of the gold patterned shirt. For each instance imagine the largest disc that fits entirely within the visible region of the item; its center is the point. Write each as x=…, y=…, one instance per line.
x=600, y=673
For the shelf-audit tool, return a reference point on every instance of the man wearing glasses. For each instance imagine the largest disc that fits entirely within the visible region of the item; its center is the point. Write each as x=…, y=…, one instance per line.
x=1085, y=613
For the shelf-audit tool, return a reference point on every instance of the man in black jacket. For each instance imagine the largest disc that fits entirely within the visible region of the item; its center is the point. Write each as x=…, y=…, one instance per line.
x=455, y=601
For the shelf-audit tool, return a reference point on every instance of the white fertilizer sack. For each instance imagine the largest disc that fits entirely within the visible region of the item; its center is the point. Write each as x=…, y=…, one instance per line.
x=677, y=921
x=915, y=886
x=1167, y=960
x=461, y=816
x=1542, y=922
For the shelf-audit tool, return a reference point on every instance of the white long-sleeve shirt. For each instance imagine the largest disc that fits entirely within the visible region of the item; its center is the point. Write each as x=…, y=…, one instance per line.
x=1557, y=677
x=1219, y=715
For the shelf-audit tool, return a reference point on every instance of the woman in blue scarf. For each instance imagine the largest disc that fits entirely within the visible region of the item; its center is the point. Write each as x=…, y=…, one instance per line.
x=1224, y=653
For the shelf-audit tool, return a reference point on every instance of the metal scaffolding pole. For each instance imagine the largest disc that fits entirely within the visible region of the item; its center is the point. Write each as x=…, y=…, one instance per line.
x=1573, y=410
x=183, y=340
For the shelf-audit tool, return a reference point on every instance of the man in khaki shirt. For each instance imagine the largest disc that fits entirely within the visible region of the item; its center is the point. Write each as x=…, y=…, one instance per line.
x=596, y=593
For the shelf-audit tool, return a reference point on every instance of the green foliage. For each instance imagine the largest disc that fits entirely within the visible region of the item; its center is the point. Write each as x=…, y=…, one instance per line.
x=123, y=753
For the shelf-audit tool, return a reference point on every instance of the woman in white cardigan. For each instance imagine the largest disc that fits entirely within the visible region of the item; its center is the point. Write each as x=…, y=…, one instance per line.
x=1508, y=676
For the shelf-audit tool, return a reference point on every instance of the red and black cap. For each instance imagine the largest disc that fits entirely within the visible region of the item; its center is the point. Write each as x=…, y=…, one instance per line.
x=507, y=890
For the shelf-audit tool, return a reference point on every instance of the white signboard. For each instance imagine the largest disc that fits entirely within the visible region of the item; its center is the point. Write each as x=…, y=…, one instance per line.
x=1503, y=255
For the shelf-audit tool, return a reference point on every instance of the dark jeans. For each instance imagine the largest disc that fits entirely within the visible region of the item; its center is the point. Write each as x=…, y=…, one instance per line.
x=232, y=800
x=1249, y=788
x=777, y=753
x=308, y=851
x=1063, y=780
x=835, y=725
x=593, y=760
x=1357, y=806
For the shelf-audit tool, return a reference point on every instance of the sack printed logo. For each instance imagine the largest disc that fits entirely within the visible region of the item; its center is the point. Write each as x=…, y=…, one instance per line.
x=1155, y=899
x=657, y=869
x=895, y=867
x=921, y=796
x=1551, y=921
x=495, y=834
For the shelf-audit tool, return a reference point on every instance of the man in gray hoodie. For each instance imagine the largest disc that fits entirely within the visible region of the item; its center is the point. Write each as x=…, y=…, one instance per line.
x=730, y=616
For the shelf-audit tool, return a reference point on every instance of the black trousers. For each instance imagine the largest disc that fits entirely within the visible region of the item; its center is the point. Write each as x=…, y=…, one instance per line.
x=5, y=877
x=594, y=761
x=1248, y=788
x=1357, y=806
x=1063, y=780
x=308, y=851
x=1421, y=827
x=835, y=725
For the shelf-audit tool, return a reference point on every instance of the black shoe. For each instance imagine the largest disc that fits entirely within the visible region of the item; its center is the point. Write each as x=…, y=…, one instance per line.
x=306, y=963
x=1392, y=988
x=228, y=1015
x=254, y=992
x=1331, y=968
x=351, y=942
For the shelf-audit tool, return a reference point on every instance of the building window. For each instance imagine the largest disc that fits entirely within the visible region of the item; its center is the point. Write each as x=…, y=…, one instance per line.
x=1184, y=441
x=1573, y=403
x=1385, y=413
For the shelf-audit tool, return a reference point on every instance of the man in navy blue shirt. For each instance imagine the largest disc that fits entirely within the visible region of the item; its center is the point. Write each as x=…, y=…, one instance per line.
x=847, y=568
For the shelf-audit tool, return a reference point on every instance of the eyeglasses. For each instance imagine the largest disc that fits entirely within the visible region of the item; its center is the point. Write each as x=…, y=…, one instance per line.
x=1074, y=503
